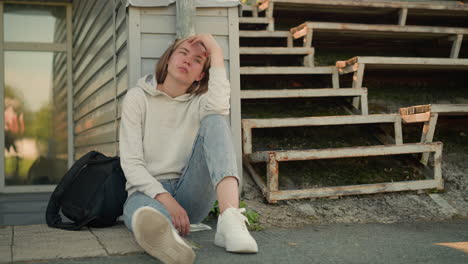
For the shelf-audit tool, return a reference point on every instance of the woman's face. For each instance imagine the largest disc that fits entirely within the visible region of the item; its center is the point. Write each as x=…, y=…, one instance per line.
x=186, y=63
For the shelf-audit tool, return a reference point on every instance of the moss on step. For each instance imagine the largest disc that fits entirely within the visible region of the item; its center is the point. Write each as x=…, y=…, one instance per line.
x=341, y=172
x=282, y=108
x=321, y=137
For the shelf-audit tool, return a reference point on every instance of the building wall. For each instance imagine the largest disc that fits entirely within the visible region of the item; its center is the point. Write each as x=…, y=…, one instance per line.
x=99, y=73
x=101, y=54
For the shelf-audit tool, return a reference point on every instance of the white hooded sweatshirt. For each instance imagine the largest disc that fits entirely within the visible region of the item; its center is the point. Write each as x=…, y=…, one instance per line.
x=157, y=132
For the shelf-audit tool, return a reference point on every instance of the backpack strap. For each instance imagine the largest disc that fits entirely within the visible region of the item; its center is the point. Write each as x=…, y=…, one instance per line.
x=53, y=218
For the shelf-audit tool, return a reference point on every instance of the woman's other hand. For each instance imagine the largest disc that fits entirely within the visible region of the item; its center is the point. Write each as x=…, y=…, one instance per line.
x=213, y=50
x=178, y=214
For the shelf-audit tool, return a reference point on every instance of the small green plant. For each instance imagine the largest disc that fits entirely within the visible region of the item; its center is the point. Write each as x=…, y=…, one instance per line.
x=215, y=211
x=434, y=190
x=251, y=215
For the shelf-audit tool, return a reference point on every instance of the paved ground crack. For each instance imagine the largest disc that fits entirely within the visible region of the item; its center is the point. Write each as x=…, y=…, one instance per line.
x=99, y=241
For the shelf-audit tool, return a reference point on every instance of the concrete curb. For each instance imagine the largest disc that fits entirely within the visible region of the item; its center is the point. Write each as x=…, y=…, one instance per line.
x=446, y=207
x=39, y=242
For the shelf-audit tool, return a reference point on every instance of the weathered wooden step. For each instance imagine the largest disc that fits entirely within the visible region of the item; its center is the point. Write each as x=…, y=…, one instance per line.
x=407, y=63
x=247, y=8
x=320, y=121
x=306, y=92
x=249, y=124
x=272, y=158
x=334, y=153
x=287, y=70
x=255, y=20
x=429, y=114
x=388, y=32
x=448, y=109
x=370, y=30
x=276, y=51
x=263, y=34
x=358, y=64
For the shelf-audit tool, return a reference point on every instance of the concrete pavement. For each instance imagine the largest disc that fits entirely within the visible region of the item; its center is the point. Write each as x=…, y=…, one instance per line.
x=337, y=243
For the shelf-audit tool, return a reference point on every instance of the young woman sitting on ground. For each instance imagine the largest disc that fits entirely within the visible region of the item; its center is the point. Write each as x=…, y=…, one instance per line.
x=177, y=153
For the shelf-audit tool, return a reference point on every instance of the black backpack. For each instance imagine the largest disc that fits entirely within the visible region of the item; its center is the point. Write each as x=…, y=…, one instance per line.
x=91, y=193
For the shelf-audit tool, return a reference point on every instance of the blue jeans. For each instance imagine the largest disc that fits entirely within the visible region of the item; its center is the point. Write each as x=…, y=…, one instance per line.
x=212, y=159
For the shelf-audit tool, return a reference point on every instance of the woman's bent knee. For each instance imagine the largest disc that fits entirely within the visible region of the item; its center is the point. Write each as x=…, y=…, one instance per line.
x=209, y=120
x=136, y=201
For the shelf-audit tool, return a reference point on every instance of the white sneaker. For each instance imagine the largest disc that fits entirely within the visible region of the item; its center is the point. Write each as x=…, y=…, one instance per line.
x=155, y=235
x=232, y=232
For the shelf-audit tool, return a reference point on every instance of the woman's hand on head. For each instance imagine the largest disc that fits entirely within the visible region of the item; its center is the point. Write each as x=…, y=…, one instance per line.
x=212, y=47
x=178, y=214
x=208, y=42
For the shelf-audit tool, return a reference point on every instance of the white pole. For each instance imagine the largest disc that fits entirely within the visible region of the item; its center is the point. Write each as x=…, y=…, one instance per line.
x=185, y=17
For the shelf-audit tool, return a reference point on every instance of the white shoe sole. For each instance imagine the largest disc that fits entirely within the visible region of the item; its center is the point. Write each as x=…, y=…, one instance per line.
x=154, y=234
x=220, y=241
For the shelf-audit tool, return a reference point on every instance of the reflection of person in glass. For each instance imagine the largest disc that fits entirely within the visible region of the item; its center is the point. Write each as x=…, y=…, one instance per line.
x=14, y=127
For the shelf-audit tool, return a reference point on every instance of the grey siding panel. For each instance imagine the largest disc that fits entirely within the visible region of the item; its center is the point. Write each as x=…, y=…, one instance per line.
x=122, y=82
x=171, y=10
x=98, y=80
x=120, y=17
x=121, y=42
x=122, y=60
x=214, y=25
x=99, y=68
x=166, y=24
x=100, y=116
x=81, y=15
x=102, y=96
x=99, y=135
x=119, y=107
x=23, y=209
x=122, y=55
x=85, y=35
x=158, y=24
x=107, y=149
x=28, y=218
x=148, y=66
x=154, y=45
x=118, y=130
x=95, y=58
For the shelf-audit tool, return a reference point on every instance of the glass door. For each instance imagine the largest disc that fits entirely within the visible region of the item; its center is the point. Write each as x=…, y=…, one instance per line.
x=35, y=88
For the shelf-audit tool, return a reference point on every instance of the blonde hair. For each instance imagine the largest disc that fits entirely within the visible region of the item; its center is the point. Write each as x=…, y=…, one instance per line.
x=197, y=87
